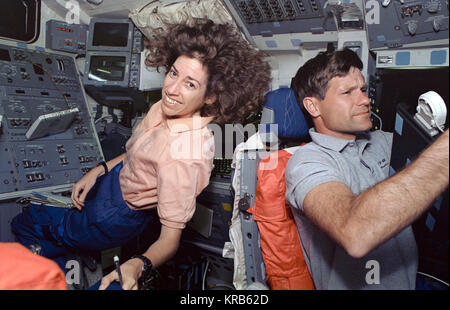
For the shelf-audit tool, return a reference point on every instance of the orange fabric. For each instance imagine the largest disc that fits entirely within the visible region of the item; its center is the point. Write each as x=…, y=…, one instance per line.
x=286, y=268
x=20, y=269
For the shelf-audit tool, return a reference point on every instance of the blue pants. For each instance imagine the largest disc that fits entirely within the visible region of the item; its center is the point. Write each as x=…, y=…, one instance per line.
x=114, y=286
x=105, y=221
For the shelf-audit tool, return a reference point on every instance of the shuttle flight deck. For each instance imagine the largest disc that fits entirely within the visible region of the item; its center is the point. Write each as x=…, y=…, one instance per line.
x=74, y=85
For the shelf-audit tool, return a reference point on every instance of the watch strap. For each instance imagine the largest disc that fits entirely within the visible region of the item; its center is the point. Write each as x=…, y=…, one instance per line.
x=147, y=262
x=145, y=280
x=102, y=163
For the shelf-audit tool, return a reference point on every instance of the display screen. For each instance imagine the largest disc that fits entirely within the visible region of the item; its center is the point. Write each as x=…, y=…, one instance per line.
x=107, y=68
x=20, y=20
x=4, y=55
x=110, y=34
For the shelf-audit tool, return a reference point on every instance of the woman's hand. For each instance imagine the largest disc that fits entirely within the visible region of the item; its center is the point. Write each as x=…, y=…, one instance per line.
x=131, y=271
x=159, y=252
x=83, y=186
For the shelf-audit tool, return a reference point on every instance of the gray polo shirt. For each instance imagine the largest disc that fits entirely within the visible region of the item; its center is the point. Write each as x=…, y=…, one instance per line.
x=359, y=164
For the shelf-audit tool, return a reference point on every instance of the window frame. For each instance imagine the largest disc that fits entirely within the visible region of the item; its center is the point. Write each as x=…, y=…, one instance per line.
x=33, y=34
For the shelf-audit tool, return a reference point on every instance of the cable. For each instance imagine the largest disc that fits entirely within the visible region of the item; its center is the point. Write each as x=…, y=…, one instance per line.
x=189, y=278
x=102, y=118
x=216, y=284
x=53, y=81
x=204, y=275
x=379, y=118
x=155, y=10
x=434, y=278
x=224, y=285
x=135, y=121
x=95, y=2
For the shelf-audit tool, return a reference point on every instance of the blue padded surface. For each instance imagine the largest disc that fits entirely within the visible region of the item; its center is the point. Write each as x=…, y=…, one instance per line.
x=288, y=115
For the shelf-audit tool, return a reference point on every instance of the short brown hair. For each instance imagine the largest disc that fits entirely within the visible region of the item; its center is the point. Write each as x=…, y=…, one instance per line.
x=237, y=74
x=312, y=78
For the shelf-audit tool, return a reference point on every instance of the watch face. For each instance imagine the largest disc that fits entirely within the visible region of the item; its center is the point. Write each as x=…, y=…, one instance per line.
x=147, y=263
x=147, y=277
x=145, y=271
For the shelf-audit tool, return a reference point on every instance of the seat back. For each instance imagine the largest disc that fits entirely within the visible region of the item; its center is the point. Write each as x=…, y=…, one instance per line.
x=282, y=119
x=281, y=109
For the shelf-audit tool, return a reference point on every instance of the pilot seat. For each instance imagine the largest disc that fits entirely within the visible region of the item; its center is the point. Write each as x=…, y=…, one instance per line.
x=263, y=230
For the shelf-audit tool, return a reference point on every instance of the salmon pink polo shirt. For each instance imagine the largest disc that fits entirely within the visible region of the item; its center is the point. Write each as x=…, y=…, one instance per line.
x=168, y=163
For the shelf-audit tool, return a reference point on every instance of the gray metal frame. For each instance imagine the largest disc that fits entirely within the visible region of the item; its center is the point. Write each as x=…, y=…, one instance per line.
x=255, y=268
x=126, y=76
x=91, y=47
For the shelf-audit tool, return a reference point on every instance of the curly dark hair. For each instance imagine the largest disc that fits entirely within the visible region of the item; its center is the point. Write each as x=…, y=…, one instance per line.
x=238, y=75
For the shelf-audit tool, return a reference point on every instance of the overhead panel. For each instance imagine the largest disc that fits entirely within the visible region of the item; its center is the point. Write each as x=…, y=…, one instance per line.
x=270, y=17
x=409, y=23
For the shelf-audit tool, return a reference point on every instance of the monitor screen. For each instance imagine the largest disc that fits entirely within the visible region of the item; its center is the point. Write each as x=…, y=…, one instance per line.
x=107, y=68
x=20, y=20
x=110, y=34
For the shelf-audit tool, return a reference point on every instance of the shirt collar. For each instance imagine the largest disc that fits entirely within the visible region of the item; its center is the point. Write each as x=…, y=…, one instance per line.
x=179, y=125
x=338, y=144
x=176, y=125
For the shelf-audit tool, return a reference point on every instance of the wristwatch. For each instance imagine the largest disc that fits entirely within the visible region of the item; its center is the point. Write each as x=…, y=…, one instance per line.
x=102, y=163
x=147, y=266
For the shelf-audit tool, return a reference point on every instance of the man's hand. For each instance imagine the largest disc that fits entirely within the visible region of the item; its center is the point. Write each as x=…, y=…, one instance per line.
x=359, y=223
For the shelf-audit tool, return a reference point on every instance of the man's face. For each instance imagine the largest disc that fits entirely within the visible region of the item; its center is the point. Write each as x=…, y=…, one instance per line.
x=345, y=109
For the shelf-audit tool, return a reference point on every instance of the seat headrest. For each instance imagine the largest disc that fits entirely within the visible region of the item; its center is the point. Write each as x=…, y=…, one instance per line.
x=281, y=108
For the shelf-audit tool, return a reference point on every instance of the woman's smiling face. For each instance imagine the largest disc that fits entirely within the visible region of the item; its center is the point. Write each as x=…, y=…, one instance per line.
x=183, y=93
